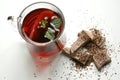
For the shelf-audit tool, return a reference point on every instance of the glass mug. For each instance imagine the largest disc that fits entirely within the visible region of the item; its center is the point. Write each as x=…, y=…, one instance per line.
x=30, y=21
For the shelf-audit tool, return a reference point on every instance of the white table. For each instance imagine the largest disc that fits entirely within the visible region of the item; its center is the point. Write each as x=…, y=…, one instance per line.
x=16, y=62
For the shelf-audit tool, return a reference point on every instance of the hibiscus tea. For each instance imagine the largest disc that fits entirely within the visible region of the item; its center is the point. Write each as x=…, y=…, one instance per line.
x=43, y=26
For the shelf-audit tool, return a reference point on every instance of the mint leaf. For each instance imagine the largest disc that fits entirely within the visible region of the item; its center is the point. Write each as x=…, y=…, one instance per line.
x=43, y=23
x=56, y=22
x=49, y=34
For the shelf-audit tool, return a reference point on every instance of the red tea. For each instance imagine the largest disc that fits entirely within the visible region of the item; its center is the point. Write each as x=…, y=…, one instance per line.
x=41, y=26
x=39, y=22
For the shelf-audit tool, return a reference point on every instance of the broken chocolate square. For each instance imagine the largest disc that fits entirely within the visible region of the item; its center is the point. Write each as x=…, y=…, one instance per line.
x=98, y=39
x=101, y=58
x=81, y=41
x=66, y=51
x=79, y=55
x=90, y=34
x=96, y=33
x=82, y=57
x=92, y=48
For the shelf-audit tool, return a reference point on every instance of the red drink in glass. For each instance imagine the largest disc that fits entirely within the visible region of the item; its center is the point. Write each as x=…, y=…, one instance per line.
x=41, y=25
x=32, y=28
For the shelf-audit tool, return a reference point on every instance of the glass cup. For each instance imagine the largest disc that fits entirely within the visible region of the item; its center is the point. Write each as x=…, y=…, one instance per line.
x=46, y=51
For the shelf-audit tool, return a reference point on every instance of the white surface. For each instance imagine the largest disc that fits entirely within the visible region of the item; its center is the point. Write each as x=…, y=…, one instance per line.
x=16, y=62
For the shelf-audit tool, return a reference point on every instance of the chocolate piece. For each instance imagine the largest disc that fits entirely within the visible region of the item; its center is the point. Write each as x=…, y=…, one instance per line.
x=96, y=33
x=98, y=39
x=66, y=51
x=81, y=41
x=90, y=60
x=92, y=48
x=90, y=34
x=101, y=58
x=82, y=57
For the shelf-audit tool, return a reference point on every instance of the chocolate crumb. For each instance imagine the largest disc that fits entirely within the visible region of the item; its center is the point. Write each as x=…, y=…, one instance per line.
x=117, y=62
x=106, y=73
x=61, y=77
x=80, y=74
x=98, y=75
x=34, y=74
x=98, y=78
x=67, y=78
x=49, y=78
x=4, y=78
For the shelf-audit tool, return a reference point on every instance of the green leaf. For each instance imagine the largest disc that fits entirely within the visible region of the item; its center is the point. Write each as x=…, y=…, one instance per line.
x=43, y=23
x=49, y=34
x=56, y=22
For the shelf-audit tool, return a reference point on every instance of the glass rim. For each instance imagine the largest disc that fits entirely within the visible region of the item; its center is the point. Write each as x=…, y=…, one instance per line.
x=44, y=43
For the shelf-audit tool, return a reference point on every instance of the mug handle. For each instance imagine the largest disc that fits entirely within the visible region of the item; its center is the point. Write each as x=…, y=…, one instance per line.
x=13, y=21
